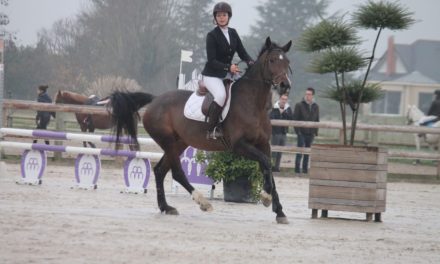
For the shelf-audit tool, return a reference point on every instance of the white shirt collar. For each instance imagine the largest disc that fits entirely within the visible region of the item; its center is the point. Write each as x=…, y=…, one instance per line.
x=226, y=33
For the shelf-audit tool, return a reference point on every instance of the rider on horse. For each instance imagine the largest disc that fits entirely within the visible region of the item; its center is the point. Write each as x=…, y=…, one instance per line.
x=221, y=44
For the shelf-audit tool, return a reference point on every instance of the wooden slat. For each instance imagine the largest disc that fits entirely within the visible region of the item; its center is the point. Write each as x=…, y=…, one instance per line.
x=352, y=184
x=333, y=192
x=359, y=209
x=339, y=157
x=348, y=175
x=350, y=166
x=332, y=147
x=351, y=157
x=343, y=154
x=380, y=203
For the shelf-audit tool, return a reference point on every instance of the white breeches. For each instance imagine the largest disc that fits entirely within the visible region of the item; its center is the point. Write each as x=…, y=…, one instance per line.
x=216, y=88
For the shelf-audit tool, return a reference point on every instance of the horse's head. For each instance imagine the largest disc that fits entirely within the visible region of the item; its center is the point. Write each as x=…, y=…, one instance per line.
x=66, y=97
x=58, y=98
x=276, y=65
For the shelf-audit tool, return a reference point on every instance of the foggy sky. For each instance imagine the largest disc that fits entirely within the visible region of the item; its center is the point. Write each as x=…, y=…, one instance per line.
x=29, y=16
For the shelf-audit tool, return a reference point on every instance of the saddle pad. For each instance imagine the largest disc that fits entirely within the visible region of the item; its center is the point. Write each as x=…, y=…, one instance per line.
x=193, y=107
x=428, y=120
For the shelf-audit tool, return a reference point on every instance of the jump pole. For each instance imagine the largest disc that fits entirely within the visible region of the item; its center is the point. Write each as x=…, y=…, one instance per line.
x=57, y=135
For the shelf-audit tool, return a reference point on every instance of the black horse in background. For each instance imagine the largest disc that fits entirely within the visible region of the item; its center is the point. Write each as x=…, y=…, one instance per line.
x=247, y=127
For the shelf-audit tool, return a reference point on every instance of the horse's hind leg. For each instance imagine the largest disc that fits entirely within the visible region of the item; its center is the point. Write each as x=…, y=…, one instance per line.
x=91, y=130
x=180, y=177
x=160, y=171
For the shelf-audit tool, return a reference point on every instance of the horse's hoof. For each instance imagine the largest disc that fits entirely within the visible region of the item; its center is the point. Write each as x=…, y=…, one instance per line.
x=266, y=199
x=201, y=200
x=171, y=211
x=282, y=220
x=206, y=207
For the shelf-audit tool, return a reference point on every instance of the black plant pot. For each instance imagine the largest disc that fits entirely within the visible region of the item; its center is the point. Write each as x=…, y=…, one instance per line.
x=238, y=191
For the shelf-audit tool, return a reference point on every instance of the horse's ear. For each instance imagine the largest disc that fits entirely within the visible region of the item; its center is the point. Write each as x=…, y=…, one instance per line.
x=286, y=47
x=268, y=43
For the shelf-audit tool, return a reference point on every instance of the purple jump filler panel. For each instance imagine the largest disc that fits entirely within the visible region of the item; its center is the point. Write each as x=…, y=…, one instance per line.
x=195, y=172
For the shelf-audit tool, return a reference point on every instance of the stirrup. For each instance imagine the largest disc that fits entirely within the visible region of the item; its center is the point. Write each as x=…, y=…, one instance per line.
x=214, y=134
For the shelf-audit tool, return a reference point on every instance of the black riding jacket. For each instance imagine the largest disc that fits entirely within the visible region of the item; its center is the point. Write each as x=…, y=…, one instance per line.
x=220, y=53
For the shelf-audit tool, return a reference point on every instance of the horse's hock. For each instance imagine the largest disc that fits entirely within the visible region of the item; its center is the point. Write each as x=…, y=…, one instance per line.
x=344, y=178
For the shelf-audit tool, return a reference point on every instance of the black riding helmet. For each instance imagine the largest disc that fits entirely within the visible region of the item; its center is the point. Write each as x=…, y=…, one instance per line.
x=222, y=7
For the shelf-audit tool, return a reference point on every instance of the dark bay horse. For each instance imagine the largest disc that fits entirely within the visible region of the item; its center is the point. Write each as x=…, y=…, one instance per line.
x=93, y=121
x=247, y=127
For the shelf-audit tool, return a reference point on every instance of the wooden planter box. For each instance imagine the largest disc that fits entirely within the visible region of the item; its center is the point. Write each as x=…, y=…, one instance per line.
x=346, y=178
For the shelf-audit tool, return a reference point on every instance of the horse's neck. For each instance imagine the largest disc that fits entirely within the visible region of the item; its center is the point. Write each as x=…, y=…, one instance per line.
x=253, y=87
x=71, y=98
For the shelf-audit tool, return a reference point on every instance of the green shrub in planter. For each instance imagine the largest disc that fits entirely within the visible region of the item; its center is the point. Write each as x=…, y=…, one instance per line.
x=229, y=167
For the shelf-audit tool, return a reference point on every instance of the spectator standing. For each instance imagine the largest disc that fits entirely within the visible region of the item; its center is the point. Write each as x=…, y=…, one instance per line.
x=42, y=118
x=281, y=110
x=306, y=110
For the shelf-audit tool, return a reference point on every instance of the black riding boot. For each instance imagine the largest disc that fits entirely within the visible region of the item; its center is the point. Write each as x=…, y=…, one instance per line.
x=214, y=130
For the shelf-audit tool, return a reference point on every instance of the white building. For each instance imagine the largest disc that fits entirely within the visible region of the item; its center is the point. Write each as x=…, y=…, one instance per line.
x=409, y=75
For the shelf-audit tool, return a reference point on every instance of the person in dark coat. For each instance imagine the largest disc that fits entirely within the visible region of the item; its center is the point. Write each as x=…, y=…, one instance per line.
x=306, y=110
x=42, y=118
x=434, y=109
x=281, y=110
x=221, y=45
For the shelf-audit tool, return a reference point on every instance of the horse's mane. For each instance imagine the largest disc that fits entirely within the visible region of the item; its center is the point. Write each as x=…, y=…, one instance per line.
x=264, y=48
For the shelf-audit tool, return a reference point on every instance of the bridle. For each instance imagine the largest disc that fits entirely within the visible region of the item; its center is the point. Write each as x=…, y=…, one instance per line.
x=268, y=81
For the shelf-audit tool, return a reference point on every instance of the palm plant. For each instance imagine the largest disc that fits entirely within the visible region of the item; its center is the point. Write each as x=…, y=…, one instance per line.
x=334, y=42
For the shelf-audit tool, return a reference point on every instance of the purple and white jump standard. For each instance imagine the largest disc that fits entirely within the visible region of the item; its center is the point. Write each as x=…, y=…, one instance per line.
x=87, y=166
x=137, y=167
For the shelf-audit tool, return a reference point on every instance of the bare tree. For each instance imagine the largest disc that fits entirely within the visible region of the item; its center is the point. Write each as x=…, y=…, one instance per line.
x=105, y=85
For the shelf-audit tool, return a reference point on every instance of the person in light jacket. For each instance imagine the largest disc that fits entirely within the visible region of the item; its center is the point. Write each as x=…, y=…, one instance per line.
x=281, y=110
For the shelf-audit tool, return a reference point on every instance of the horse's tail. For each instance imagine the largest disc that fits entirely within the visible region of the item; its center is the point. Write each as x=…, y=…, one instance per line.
x=124, y=107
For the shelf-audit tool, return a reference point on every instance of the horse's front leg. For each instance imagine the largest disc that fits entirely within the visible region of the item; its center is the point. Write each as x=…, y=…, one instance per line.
x=270, y=194
x=249, y=151
x=276, y=204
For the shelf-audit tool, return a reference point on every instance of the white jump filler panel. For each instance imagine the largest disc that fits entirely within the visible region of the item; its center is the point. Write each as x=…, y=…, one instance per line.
x=33, y=166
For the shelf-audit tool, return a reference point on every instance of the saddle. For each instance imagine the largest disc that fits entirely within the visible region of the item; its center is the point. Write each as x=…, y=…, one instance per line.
x=209, y=98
